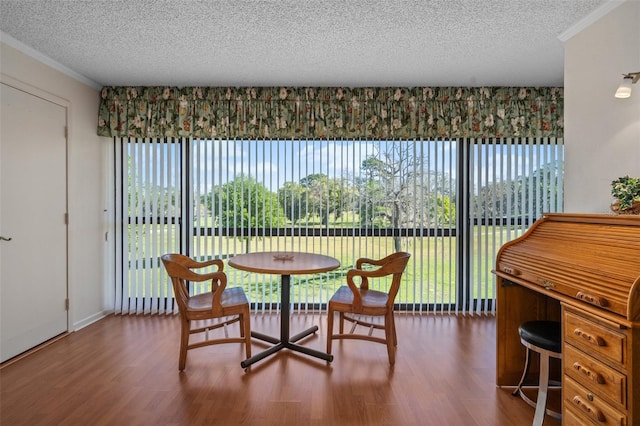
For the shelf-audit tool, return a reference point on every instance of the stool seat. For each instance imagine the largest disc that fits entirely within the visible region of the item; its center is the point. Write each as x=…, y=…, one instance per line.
x=544, y=338
x=543, y=334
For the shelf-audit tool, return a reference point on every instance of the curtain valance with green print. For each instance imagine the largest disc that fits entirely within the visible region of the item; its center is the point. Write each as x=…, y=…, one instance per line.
x=326, y=113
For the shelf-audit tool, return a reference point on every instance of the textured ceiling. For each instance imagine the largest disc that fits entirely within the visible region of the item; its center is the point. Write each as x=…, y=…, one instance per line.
x=301, y=42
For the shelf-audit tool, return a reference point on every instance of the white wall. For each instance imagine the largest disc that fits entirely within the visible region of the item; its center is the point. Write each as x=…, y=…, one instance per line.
x=602, y=133
x=87, y=175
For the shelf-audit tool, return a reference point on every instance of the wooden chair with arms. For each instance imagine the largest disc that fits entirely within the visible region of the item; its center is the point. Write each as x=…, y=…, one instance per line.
x=220, y=302
x=362, y=301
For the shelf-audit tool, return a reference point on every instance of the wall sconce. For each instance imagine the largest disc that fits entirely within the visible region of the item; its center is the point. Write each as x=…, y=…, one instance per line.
x=624, y=90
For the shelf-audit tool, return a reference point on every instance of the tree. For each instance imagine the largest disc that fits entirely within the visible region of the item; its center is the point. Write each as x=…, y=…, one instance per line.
x=292, y=200
x=372, y=212
x=396, y=187
x=243, y=203
x=492, y=199
x=529, y=193
x=324, y=196
x=544, y=184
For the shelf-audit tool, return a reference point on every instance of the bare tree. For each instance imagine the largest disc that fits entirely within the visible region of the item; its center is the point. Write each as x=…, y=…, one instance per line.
x=397, y=190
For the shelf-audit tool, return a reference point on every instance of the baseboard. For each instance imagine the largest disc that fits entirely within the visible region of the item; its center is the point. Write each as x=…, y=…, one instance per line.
x=90, y=320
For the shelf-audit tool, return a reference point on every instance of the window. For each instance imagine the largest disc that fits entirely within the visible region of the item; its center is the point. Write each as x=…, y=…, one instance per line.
x=451, y=203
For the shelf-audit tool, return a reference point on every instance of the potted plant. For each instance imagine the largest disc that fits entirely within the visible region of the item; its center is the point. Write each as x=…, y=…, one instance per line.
x=626, y=191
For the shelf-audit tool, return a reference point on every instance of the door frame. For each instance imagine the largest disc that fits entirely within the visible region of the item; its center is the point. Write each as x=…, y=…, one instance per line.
x=66, y=104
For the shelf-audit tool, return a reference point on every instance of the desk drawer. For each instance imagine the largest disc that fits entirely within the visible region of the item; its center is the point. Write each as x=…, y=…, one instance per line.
x=588, y=406
x=595, y=376
x=569, y=418
x=595, y=339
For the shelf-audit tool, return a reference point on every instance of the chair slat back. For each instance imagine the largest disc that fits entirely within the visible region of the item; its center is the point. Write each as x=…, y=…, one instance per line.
x=179, y=268
x=396, y=265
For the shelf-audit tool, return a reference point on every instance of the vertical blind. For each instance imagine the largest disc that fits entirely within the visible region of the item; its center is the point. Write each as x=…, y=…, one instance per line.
x=451, y=203
x=511, y=183
x=148, y=213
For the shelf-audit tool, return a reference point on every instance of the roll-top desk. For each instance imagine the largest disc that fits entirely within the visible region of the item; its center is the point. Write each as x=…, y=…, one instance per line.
x=583, y=270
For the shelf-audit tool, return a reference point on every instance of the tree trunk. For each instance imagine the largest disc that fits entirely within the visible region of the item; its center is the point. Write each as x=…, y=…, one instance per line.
x=395, y=220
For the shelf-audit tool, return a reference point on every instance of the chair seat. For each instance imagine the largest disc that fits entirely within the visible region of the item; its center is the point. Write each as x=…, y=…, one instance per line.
x=233, y=296
x=370, y=298
x=543, y=334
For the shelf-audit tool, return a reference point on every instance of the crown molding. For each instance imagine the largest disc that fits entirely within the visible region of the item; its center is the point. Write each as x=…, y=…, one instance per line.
x=590, y=19
x=40, y=57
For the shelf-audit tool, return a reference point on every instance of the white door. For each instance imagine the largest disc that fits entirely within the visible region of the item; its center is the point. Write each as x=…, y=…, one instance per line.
x=33, y=206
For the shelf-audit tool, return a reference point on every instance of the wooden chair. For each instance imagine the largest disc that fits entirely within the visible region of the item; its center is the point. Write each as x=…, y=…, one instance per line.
x=362, y=301
x=220, y=302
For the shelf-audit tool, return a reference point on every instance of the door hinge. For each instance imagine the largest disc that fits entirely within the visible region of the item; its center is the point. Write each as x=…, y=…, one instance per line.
x=66, y=218
x=66, y=132
x=66, y=304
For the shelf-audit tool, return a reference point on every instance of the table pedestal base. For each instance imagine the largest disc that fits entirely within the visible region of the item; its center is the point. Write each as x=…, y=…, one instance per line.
x=285, y=342
x=290, y=344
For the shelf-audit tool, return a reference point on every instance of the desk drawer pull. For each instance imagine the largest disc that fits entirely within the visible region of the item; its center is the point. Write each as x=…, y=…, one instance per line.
x=511, y=271
x=587, y=408
x=594, y=300
x=594, y=340
x=596, y=377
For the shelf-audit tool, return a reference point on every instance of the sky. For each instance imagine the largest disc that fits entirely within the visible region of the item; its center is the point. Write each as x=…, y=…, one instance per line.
x=273, y=163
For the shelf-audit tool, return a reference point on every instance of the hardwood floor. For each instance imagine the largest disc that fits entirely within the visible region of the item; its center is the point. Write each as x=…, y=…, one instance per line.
x=124, y=370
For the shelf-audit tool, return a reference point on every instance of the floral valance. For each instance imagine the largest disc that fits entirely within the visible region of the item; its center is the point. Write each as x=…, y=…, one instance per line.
x=331, y=112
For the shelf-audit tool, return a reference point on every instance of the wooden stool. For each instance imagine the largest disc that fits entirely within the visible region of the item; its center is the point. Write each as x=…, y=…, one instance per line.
x=545, y=338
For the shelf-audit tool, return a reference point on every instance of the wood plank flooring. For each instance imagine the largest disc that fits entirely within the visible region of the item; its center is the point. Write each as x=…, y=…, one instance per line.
x=124, y=370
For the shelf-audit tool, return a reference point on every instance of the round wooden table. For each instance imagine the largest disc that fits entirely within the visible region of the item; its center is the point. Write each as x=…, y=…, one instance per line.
x=285, y=264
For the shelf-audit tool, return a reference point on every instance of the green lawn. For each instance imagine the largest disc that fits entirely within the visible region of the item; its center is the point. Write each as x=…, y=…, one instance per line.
x=430, y=276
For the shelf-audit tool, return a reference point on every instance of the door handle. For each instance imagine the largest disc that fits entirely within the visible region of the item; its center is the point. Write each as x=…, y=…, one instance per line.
x=5, y=239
